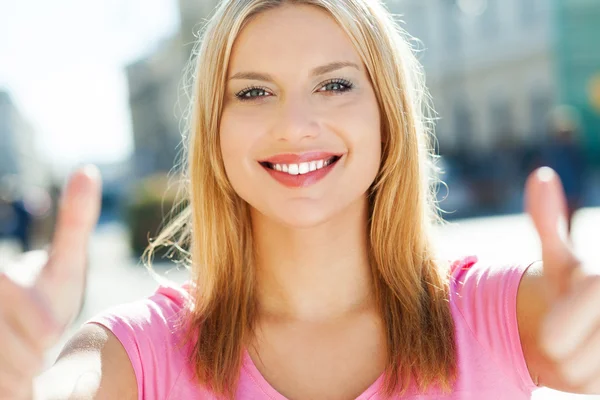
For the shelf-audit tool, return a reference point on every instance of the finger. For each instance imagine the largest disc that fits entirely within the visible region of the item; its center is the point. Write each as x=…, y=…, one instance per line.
x=61, y=282
x=32, y=319
x=78, y=213
x=573, y=321
x=547, y=206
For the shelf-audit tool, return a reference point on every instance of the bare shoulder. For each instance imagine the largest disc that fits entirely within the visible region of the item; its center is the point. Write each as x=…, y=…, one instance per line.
x=92, y=365
x=532, y=306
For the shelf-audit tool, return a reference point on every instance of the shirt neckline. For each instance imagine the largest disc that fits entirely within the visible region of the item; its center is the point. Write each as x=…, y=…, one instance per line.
x=259, y=380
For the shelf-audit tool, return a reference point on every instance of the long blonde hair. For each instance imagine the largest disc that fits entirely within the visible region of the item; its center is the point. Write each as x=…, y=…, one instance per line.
x=410, y=284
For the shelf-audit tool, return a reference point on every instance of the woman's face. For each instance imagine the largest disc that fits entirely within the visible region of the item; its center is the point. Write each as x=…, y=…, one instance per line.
x=300, y=129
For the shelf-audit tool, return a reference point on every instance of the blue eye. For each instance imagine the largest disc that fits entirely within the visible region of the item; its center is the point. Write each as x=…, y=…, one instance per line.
x=251, y=93
x=334, y=85
x=338, y=85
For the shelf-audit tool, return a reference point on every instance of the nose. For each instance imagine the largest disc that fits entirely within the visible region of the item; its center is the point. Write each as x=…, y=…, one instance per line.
x=296, y=121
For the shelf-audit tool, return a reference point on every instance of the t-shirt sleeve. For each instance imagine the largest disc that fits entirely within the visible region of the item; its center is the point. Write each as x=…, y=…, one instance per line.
x=486, y=297
x=148, y=329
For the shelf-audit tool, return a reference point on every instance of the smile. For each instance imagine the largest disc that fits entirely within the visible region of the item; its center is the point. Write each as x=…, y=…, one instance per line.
x=306, y=171
x=301, y=168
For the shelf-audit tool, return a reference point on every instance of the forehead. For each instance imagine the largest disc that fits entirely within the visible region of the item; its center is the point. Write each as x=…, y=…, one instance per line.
x=291, y=35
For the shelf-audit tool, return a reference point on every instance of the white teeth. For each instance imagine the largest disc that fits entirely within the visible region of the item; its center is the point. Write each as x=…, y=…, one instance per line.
x=293, y=169
x=303, y=168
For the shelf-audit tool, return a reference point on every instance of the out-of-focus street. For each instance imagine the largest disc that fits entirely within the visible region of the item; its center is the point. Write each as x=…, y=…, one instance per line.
x=116, y=277
x=514, y=84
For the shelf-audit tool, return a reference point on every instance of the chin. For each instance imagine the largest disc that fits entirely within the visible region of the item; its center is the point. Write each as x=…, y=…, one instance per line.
x=298, y=214
x=305, y=214
x=303, y=219
x=309, y=212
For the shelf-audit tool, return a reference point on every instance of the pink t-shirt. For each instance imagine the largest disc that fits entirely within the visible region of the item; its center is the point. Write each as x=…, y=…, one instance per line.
x=483, y=303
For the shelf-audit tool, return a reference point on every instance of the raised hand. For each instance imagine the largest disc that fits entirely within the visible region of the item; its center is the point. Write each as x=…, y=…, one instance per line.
x=32, y=318
x=570, y=333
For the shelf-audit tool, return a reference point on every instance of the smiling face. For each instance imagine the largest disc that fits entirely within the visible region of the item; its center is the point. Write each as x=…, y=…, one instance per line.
x=300, y=130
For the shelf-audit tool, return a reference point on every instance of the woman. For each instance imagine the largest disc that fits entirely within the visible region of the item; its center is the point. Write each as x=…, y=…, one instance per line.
x=313, y=272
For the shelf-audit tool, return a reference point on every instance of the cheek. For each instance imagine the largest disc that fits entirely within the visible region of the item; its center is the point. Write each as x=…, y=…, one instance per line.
x=368, y=150
x=241, y=129
x=368, y=157
x=233, y=145
x=365, y=126
x=239, y=134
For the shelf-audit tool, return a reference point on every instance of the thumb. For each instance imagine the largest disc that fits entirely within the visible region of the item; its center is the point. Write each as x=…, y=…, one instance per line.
x=61, y=282
x=546, y=204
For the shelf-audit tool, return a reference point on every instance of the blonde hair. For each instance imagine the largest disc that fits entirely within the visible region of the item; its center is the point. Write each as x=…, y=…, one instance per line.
x=410, y=284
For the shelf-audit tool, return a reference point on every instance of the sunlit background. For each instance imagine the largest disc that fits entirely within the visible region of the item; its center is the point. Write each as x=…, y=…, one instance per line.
x=515, y=83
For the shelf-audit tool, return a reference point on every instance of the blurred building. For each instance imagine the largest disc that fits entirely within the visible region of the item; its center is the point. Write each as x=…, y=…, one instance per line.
x=117, y=179
x=496, y=70
x=18, y=157
x=490, y=68
x=192, y=15
x=156, y=94
x=25, y=180
x=578, y=66
x=153, y=84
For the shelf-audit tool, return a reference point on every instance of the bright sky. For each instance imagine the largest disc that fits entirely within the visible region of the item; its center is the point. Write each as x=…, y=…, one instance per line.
x=63, y=63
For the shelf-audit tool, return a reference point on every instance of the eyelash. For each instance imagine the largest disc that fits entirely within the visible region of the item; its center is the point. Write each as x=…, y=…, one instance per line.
x=348, y=86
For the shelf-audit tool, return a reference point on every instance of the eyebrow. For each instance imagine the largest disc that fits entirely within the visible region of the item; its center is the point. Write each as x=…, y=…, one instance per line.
x=322, y=70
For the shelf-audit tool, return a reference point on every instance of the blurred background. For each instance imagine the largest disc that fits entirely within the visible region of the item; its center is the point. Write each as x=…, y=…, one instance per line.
x=515, y=83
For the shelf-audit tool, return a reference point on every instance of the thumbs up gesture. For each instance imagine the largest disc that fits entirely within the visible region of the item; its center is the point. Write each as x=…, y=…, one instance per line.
x=32, y=318
x=570, y=332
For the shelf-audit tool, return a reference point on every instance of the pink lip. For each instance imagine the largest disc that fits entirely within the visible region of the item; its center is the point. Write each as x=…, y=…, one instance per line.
x=304, y=180
x=299, y=158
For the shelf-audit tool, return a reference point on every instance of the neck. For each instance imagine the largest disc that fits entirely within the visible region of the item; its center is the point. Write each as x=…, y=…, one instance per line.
x=315, y=273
